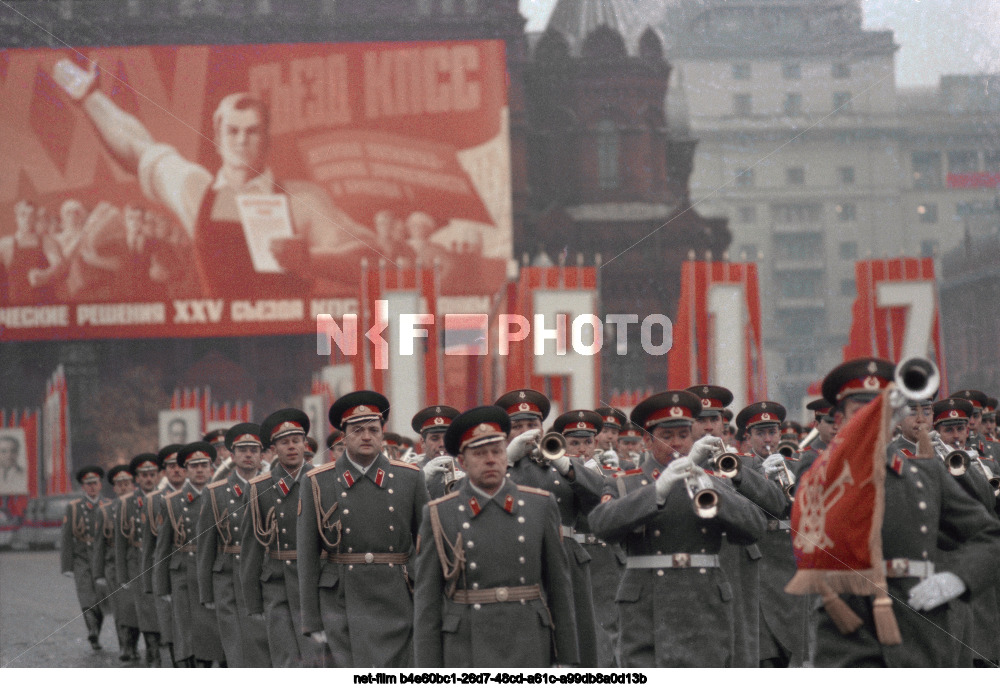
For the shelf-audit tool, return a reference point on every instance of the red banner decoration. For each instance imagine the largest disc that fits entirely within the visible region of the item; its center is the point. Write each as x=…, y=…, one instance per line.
x=717, y=332
x=56, y=460
x=213, y=414
x=378, y=151
x=837, y=520
x=896, y=313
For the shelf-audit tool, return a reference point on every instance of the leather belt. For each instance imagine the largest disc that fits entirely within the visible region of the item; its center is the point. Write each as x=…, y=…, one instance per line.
x=287, y=555
x=774, y=524
x=514, y=593
x=589, y=539
x=908, y=568
x=231, y=549
x=679, y=560
x=188, y=548
x=567, y=531
x=369, y=558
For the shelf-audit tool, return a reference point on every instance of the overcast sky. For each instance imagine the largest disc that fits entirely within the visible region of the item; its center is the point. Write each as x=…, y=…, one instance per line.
x=935, y=36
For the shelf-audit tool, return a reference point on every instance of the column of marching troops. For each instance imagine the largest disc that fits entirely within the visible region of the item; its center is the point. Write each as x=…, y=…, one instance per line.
x=609, y=542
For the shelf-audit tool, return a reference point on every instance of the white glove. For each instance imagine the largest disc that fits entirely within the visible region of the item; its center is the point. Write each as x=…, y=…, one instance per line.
x=593, y=465
x=936, y=590
x=166, y=598
x=609, y=458
x=76, y=81
x=678, y=469
x=103, y=582
x=319, y=637
x=562, y=464
x=774, y=465
x=210, y=605
x=702, y=450
x=522, y=445
x=441, y=464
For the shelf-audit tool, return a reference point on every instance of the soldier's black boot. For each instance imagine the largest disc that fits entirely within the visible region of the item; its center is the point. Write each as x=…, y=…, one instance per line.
x=133, y=644
x=93, y=628
x=186, y=663
x=123, y=654
x=152, y=648
x=203, y=663
x=170, y=654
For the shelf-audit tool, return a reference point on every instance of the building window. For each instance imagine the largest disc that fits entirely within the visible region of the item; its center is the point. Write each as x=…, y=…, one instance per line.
x=928, y=213
x=742, y=104
x=795, y=176
x=991, y=161
x=926, y=170
x=796, y=213
x=846, y=212
x=741, y=71
x=749, y=252
x=800, y=322
x=748, y=214
x=848, y=287
x=846, y=175
x=744, y=177
x=841, y=70
x=799, y=285
x=793, y=104
x=928, y=248
x=962, y=161
x=607, y=155
x=848, y=250
x=799, y=247
x=842, y=101
x=791, y=70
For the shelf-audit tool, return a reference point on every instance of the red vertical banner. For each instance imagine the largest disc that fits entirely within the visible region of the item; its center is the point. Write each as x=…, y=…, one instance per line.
x=717, y=331
x=55, y=435
x=896, y=312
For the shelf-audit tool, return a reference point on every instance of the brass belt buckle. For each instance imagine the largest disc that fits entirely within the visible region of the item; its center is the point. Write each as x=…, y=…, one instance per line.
x=502, y=594
x=369, y=557
x=899, y=566
x=682, y=560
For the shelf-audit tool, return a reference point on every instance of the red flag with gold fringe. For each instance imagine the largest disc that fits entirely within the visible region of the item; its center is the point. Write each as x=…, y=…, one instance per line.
x=837, y=522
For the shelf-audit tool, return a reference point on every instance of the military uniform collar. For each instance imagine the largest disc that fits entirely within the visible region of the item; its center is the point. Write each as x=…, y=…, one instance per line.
x=279, y=472
x=348, y=472
x=652, y=467
x=476, y=500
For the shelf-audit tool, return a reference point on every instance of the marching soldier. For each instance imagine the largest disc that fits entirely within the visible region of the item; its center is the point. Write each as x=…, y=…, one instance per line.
x=924, y=509
x=577, y=490
x=175, y=572
x=714, y=400
x=244, y=639
x=493, y=584
x=431, y=423
x=217, y=438
x=269, y=569
x=629, y=446
x=357, y=531
x=128, y=552
x=989, y=452
x=607, y=561
x=78, y=534
x=105, y=568
x=156, y=513
x=335, y=445
x=612, y=420
x=672, y=543
x=782, y=622
x=825, y=432
x=990, y=420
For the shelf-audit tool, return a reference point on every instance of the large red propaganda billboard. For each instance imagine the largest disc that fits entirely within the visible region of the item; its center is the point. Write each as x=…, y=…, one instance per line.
x=238, y=190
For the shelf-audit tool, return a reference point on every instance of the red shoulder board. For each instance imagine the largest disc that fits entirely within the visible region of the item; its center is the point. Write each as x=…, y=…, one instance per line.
x=634, y=471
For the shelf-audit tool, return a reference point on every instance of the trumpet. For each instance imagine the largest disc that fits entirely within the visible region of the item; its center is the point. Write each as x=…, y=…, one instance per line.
x=957, y=460
x=552, y=446
x=789, y=449
x=916, y=378
x=704, y=498
x=785, y=478
x=450, y=477
x=725, y=463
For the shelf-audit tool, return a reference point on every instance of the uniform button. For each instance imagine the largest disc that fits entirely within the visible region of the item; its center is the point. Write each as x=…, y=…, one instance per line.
x=472, y=565
x=279, y=501
x=350, y=549
x=346, y=511
x=461, y=507
x=701, y=570
x=520, y=519
x=521, y=559
x=390, y=549
x=391, y=508
x=922, y=505
x=555, y=482
x=470, y=543
x=350, y=567
x=656, y=533
x=283, y=530
x=232, y=501
x=522, y=579
x=659, y=572
x=236, y=528
x=520, y=502
x=924, y=554
x=347, y=530
x=919, y=484
x=392, y=527
x=237, y=556
x=703, y=550
x=390, y=490
x=343, y=494
x=520, y=538
x=465, y=525
x=187, y=518
x=645, y=482
x=475, y=586
x=659, y=551
x=704, y=530
x=477, y=607
x=558, y=499
x=282, y=514
x=923, y=529
x=190, y=554
x=913, y=469
x=288, y=562
x=391, y=475
x=286, y=545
